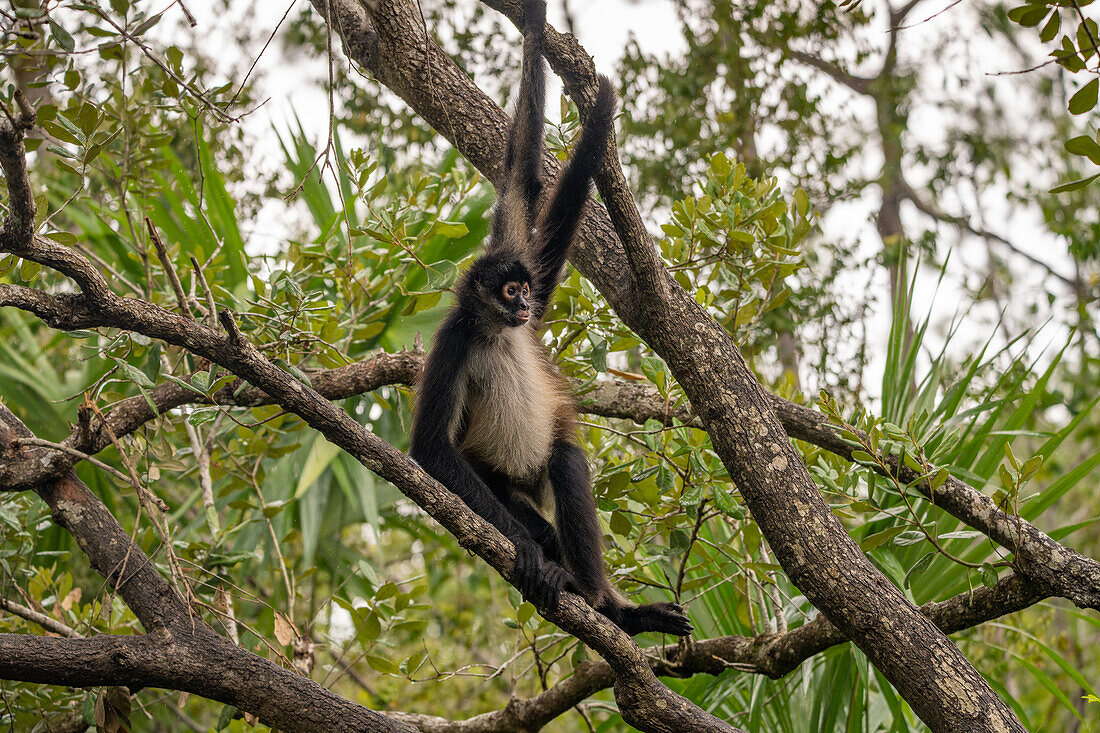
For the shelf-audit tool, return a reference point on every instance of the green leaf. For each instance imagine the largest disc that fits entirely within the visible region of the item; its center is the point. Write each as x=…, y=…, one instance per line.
x=61, y=36
x=939, y=479
x=146, y=25
x=1086, y=30
x=1085, y=98
x=918, y=567
x=909, y=537
x=226, y=717
x=88, y=118
x=989, y=575
x=133, y=373
x=870, y=542
x=185, y=384
x=1074, y=185
x=441, y=274
x=28, y=270
x=862, y=456
x=199, y=417
x=449, y=229
x=724, y=501
x=1031, y=467
x=1067, y=57
x=1028, y=15
x=620, y=525
x=1050, y=30
x=321, y=454
x=1086, y=146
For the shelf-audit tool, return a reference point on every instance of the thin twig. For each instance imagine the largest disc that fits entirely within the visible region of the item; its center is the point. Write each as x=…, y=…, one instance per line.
x=166, y=261
x=49, y=623
x=211, y=309
x=41, y=443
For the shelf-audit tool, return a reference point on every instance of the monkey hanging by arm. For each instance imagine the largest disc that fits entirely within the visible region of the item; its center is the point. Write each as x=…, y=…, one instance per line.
x=494, y=421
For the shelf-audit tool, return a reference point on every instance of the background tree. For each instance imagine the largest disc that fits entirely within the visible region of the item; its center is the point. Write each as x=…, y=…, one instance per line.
x=239, y=550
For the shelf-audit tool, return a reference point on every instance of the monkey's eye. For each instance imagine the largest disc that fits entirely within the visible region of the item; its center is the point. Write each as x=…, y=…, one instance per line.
x=510, y=291
x=526, y=290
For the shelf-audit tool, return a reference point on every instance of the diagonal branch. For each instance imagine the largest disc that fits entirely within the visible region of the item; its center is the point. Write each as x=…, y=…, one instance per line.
x=179, y=650
x=858, y=84
x=962, y=222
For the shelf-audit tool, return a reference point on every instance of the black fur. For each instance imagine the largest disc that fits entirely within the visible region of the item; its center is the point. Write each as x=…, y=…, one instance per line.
x=493, y=420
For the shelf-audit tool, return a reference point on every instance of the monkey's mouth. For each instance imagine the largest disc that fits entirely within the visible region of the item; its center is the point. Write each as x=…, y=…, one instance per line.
x=523, y=316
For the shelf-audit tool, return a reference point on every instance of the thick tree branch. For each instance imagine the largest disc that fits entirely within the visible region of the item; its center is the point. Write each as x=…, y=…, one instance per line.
x=199, y=662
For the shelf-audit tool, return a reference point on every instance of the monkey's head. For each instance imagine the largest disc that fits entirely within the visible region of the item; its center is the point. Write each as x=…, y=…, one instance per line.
x=501, y=289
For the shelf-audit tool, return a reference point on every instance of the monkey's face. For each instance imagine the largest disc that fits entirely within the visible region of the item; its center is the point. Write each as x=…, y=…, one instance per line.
x=503, y=290
x=514, y=297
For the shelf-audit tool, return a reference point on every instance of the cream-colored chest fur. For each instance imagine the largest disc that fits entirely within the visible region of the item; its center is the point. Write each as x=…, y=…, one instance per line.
x=511, y=404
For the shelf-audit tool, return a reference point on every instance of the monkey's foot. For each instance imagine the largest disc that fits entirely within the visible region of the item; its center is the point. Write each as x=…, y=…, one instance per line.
x=664, y=618
x=539, y=580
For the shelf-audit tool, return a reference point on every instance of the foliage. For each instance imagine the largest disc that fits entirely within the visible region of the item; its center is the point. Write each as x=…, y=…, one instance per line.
x=310, y=560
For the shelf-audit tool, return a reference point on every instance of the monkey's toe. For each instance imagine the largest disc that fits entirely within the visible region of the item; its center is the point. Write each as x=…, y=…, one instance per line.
x=669, y=618
x=662, y=618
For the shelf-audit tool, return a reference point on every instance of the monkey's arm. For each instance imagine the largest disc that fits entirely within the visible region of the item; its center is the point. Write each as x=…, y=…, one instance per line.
x=522, y=181
x=441, y=394
x=560, y=218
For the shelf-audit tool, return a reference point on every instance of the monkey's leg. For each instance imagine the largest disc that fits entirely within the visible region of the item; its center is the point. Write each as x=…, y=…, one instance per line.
x=543, y=532
x=577, y=521
x=552, y=577
x=578, y=527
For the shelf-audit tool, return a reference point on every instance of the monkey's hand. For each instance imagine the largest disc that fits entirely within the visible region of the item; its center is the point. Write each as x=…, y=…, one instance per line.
x=539, y=580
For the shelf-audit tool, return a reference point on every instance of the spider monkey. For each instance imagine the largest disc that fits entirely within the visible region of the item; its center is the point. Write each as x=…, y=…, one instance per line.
x=494, y=420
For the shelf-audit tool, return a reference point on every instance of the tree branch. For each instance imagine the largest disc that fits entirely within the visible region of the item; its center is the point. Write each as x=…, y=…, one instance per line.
x=180, y=660
x=179, y=650
x=926, y=207
x=858, y=84
x=47, y=622
x=772, y=655
x=808, y=540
